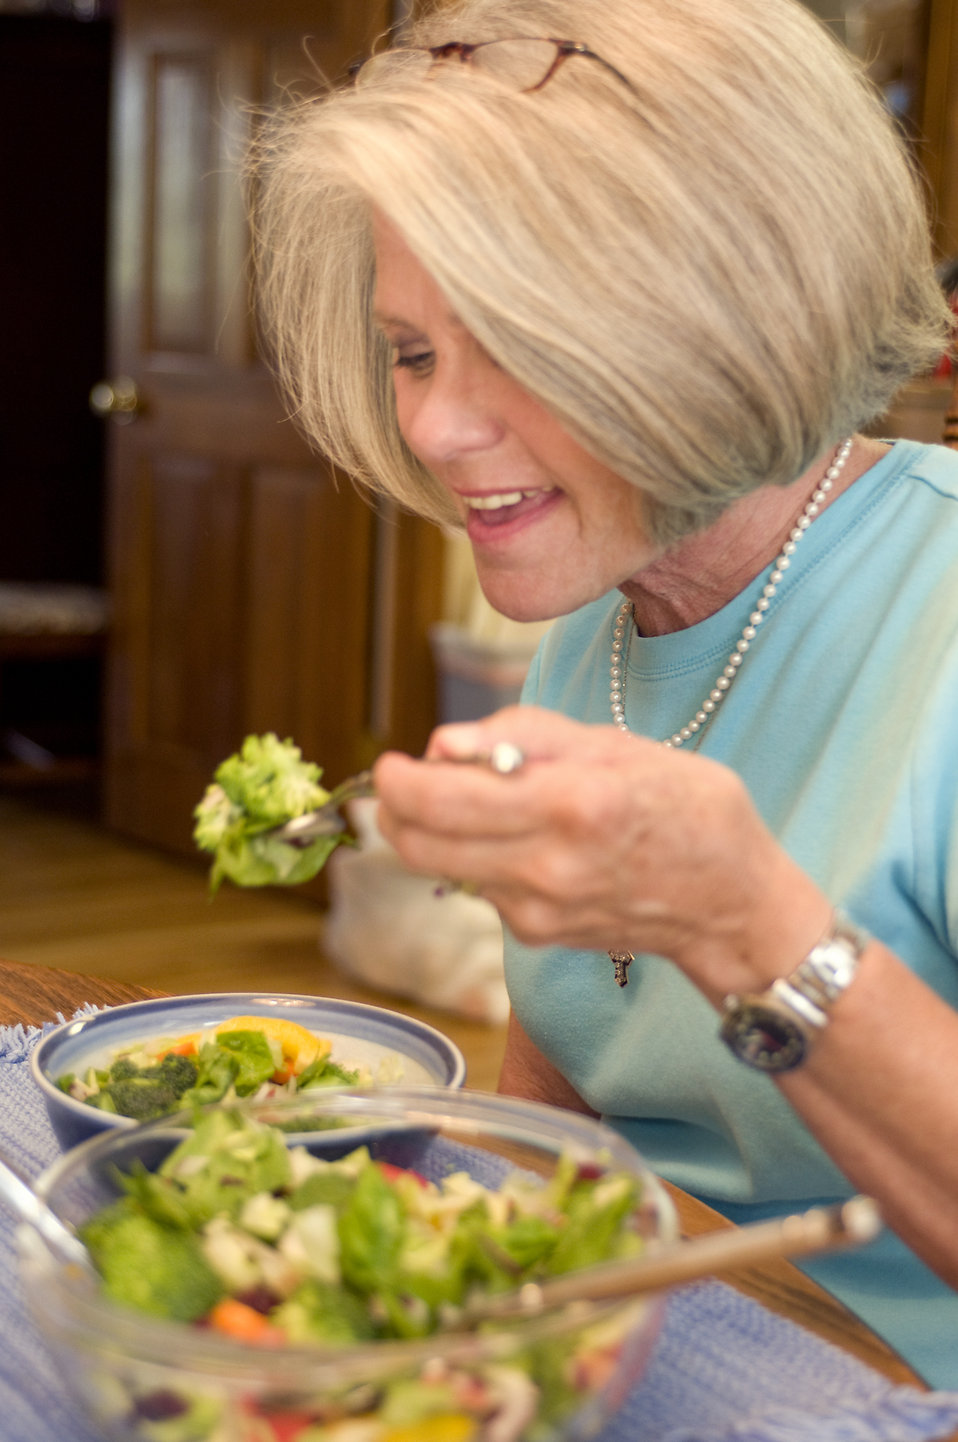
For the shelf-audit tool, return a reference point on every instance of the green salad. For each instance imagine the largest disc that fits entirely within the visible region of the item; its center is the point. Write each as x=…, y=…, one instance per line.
x=245, y=1056
x=271, y=1245
x=263, y=785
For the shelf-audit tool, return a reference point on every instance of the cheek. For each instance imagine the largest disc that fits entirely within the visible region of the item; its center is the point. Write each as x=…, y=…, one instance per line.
x=639, y=511
x=629, y=504
x=406, y=411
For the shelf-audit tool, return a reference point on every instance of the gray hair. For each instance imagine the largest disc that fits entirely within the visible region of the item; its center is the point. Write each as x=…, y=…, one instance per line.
x=708, y=275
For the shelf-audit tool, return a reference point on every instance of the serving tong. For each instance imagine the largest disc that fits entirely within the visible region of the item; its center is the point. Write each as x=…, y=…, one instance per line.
x=503, y=758
x=662, y=1265
x=669, y=1264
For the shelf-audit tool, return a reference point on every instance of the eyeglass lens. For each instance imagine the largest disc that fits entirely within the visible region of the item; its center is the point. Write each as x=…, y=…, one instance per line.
x=520, y=63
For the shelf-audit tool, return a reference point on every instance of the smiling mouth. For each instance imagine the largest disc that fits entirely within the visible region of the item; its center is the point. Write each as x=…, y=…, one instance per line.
x=494, y=505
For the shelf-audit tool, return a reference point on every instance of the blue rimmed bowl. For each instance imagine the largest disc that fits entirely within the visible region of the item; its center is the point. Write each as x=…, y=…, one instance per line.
x=389, y=1047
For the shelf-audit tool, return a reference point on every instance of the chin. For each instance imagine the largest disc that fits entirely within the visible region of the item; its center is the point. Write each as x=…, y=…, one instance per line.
x=527, y=614
x=519, y=599
x=529, y=609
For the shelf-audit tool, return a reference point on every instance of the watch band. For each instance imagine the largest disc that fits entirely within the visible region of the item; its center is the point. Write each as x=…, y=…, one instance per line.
x=826, y=971
x=802, y=1000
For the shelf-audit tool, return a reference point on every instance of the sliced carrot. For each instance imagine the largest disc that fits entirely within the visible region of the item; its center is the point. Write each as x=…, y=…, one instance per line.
x=244, y=1323
x=173, y=1046
x=182, y=1048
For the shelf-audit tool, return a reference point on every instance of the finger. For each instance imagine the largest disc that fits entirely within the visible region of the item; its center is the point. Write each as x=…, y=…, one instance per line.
x=449, y=800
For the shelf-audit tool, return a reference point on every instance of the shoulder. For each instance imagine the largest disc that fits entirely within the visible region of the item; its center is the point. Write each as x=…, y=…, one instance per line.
x=898, y=517
x=932, y=466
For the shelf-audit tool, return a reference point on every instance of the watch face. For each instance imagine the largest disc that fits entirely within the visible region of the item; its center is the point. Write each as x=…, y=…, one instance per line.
x=763, y=1037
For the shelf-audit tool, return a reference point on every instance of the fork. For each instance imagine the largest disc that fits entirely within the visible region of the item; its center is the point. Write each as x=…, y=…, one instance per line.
x=503, y=758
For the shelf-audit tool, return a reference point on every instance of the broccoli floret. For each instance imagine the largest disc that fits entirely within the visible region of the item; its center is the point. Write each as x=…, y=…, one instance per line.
x=141, y=1097
x=318, y=1312
x=326, y=1073
x=179, y=1072
x=269, y=780
x=262, y=785
x=151, y=1267
x=143, y=1093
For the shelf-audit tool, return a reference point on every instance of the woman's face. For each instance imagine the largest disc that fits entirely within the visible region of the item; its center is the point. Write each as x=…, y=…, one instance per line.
x=551, y=527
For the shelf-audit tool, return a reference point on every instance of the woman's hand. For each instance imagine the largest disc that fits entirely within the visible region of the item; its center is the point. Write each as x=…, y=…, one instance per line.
x=605, y=840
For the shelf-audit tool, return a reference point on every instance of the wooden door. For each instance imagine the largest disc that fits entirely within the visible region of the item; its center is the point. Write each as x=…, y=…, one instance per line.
x=253, y=589
x=939, y=150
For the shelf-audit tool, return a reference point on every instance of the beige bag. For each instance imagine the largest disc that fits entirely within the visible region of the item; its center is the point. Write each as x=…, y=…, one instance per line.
x=399, y=933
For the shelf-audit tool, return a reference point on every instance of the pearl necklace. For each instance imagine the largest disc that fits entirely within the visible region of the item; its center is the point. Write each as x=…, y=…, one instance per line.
x=625, y=620
x=625, y=625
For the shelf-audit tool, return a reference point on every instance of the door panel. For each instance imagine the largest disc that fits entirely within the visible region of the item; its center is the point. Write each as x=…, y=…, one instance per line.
x=181, y=281
x=308, y=624
x=247, y=583
x=194, y=596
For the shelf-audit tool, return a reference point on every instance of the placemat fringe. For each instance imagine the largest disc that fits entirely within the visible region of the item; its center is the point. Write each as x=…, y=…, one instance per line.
x=17, y=1042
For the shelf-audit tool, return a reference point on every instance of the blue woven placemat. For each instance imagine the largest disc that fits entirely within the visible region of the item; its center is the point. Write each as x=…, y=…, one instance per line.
x=724, y=1368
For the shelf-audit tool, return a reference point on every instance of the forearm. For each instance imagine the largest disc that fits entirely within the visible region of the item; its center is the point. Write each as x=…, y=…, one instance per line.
x=527, y=1073
x=880, y=1094
x=879, y=1090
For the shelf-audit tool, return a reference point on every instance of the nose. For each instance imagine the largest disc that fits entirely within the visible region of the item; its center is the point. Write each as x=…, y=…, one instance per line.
x=449, y=417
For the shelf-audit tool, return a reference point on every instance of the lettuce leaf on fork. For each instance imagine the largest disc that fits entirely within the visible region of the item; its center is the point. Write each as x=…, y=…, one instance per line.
x=261, y=786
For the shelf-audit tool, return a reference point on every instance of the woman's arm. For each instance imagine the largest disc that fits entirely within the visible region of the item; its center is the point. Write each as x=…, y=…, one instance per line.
x=880, y=1094
x=606, y=840
x=527, y=1073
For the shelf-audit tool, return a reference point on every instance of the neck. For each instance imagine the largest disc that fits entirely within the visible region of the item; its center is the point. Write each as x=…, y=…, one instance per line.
x=703, y=572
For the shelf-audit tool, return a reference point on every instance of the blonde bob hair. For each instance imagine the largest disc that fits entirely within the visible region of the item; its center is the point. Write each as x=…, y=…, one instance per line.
x=708, y=274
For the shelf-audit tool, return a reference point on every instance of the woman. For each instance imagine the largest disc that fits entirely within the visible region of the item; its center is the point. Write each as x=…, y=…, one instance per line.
x=620, y=304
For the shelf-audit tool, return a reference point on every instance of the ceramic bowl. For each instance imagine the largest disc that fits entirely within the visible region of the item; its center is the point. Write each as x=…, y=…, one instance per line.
x=387, y=1044
x=562, y=1374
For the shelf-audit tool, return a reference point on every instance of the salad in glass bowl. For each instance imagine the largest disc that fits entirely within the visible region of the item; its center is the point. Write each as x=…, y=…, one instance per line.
x=255, y=1289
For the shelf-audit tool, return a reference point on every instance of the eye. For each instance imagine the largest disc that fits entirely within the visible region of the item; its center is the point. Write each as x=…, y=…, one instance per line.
x=418, y=360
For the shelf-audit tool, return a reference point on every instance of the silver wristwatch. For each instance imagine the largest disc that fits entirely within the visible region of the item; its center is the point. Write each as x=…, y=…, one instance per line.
x=774, y=1030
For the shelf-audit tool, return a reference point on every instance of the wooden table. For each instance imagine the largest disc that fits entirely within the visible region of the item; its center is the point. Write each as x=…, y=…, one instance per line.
x=34, y=994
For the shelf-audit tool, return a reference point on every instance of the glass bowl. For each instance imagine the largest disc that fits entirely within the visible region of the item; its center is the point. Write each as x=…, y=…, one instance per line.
x=561, y=1374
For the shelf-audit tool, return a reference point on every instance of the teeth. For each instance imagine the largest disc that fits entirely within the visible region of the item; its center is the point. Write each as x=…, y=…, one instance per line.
x=497, y=501
x=494, y=503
